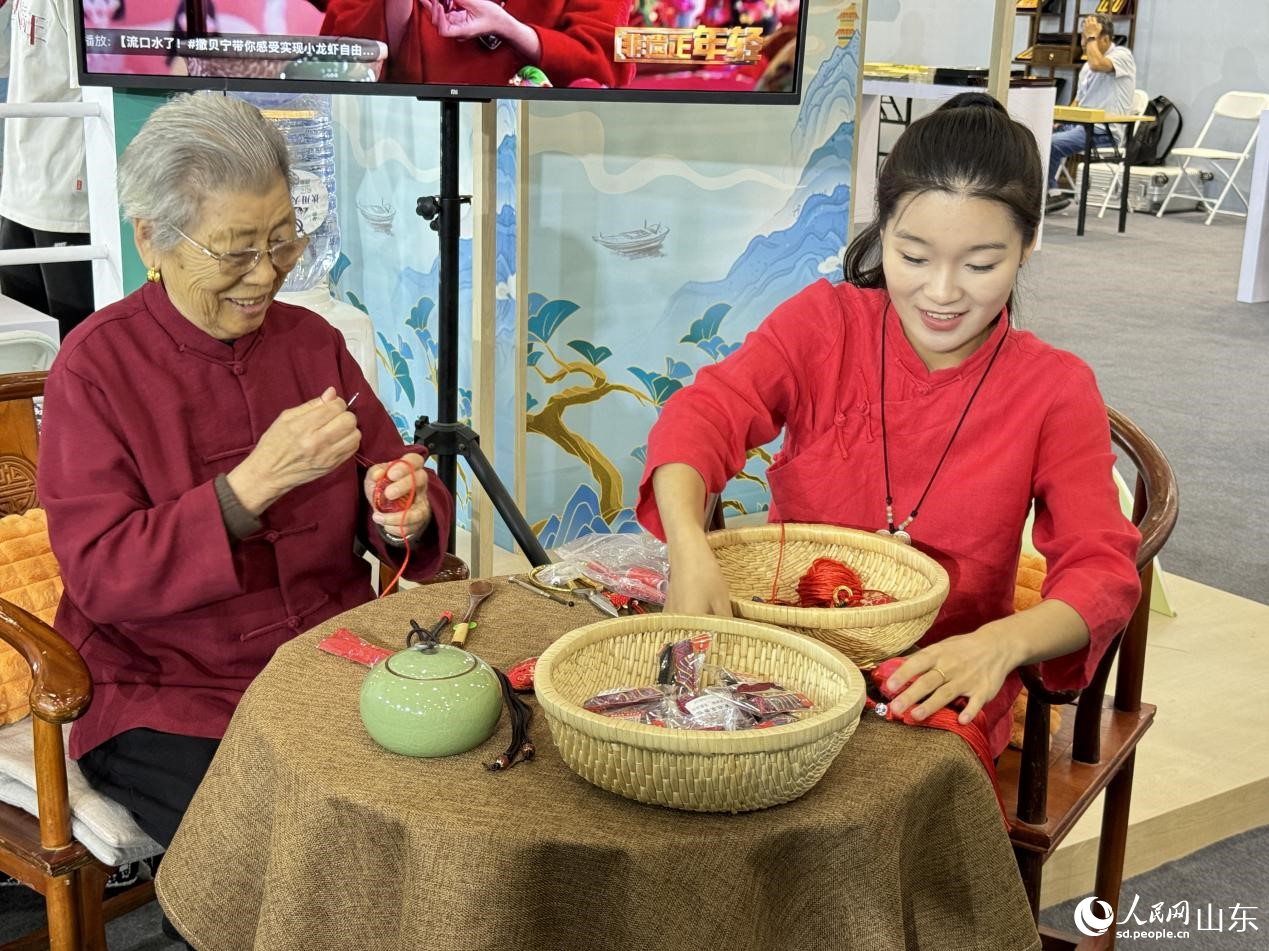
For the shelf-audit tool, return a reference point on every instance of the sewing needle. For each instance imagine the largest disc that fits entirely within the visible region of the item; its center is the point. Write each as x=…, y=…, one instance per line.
x=521, y=583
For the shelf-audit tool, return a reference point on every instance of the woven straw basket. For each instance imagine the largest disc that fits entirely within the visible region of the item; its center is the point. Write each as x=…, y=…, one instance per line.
x=702, y=771
x=867, y=635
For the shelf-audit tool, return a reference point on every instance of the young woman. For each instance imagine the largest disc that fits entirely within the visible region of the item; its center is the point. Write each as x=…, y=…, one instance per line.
x=910, y=405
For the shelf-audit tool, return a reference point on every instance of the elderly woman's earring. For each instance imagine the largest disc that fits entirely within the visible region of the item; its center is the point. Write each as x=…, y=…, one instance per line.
x=152, y=275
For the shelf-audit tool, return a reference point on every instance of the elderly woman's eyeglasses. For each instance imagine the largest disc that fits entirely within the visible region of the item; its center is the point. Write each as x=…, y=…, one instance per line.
x=283, y=254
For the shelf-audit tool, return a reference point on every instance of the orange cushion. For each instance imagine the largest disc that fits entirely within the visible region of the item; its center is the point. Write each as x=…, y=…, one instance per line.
x=1026, y=594
x=1026, y=591
x=30, y=579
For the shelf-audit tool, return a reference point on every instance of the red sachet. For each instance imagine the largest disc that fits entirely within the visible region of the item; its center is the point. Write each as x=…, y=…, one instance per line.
x=521, y=675
x=344, y=643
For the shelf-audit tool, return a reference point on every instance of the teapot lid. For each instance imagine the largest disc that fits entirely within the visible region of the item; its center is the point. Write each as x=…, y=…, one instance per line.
x=442, y=663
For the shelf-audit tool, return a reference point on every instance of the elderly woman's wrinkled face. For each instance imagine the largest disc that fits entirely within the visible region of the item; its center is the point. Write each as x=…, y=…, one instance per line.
x=227, y=305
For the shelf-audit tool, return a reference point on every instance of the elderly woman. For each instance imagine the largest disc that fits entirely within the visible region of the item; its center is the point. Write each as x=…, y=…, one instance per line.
x=204, y=475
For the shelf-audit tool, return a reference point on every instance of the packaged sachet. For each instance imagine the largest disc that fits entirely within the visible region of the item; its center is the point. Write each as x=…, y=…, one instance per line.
x=744, y=682
x=623, y=697
x=681, y=662
x=708, y=711
x=764, y=703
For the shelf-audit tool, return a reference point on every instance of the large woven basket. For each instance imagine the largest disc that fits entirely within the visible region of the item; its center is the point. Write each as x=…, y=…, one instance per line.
x=701, y=771
x=867, y=635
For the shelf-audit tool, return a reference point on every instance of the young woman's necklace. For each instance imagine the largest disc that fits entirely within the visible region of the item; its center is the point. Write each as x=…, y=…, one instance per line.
x=900, y=532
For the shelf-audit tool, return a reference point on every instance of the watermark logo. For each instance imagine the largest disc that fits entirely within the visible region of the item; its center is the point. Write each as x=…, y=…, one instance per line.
x=1087, y=919
x=1094, y=918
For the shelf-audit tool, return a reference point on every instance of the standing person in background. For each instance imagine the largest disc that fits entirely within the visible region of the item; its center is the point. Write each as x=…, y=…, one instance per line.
x=6, y=18
x=1107, y=81
x=43, y=197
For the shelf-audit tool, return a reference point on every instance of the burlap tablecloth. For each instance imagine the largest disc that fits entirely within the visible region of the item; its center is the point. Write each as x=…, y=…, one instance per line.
x=306, y=834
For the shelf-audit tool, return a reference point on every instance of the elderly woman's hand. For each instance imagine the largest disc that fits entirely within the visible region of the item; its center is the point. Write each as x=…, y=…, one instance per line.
x=304, y=443
x=403, y=473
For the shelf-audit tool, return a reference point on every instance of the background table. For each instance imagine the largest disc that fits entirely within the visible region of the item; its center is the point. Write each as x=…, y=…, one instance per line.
x=1032, y=106
x=1089, y=118
x=306, y=834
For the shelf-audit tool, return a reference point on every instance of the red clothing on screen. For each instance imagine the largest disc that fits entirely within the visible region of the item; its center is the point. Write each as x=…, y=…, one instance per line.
x=576, y=38
x=1037, y=430
x=142, y=410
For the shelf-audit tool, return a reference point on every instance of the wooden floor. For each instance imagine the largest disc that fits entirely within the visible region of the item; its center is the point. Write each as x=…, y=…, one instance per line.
x=1202, y=771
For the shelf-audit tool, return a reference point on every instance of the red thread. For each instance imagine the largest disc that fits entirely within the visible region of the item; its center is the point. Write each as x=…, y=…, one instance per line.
x=775, y=584
x=828, y=583
x=402, y=505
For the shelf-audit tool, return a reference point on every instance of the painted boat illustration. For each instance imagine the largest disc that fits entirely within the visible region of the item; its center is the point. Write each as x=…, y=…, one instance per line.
x=379, y=217
x=637, y=242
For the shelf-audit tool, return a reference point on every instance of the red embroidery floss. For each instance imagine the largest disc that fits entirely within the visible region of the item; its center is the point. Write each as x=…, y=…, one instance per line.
x=828, y=583
x=383, y=504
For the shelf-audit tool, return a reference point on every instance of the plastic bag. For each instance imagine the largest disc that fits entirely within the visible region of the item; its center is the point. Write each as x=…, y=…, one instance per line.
x=633, y=564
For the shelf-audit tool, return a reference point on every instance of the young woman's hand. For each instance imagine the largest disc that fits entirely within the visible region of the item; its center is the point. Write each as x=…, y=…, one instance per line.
x=973, y=666
x=696, y=582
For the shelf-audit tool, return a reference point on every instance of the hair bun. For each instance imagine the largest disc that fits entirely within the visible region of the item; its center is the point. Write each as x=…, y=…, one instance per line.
x=974, y=100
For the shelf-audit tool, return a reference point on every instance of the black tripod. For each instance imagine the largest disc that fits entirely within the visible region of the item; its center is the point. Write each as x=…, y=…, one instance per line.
x=445, y=437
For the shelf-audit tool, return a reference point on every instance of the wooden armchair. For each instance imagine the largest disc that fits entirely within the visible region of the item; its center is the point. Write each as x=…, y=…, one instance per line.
x=1053, y=782
x=41, y=852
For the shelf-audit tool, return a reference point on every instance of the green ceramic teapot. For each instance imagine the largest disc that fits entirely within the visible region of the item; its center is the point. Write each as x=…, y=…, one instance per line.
x=431, y=700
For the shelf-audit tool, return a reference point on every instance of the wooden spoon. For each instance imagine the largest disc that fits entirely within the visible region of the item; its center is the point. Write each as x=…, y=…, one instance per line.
x=477, y=592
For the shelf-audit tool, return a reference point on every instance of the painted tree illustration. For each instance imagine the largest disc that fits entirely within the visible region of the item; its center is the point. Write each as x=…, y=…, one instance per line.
x=593, y=384
x=704, y=335
x=420, y=317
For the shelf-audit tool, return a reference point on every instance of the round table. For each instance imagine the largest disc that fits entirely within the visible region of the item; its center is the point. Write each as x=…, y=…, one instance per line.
x=306, y=834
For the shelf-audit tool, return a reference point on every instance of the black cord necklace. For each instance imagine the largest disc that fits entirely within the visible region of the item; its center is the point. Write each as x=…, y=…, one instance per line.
x=899, y=532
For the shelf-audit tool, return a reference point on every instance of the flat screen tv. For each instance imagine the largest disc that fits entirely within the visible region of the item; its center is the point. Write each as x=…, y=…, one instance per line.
x=640, y=50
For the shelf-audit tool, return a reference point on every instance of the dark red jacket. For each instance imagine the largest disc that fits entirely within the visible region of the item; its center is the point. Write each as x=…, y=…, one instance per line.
x=576, y=37
x=142, y=410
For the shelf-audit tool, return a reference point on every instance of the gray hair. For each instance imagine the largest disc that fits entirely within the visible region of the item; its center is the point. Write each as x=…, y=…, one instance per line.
x=1107, y=23
x=190, y=147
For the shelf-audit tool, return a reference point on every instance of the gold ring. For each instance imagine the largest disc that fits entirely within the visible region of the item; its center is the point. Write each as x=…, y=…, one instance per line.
x=940, y=672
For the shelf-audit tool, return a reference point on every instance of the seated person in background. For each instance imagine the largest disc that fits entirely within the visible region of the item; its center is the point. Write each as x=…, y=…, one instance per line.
x=486, y=43
x=979, y=421
x=1107, y=81
x=204, y=477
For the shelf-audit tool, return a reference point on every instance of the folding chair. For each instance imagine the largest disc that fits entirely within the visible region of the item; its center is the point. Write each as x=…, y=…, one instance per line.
x=1237, y=107
x=1113, y=163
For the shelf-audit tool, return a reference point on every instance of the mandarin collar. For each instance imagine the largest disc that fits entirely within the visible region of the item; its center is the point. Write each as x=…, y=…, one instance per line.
x=897, y=343
x=187, y=335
